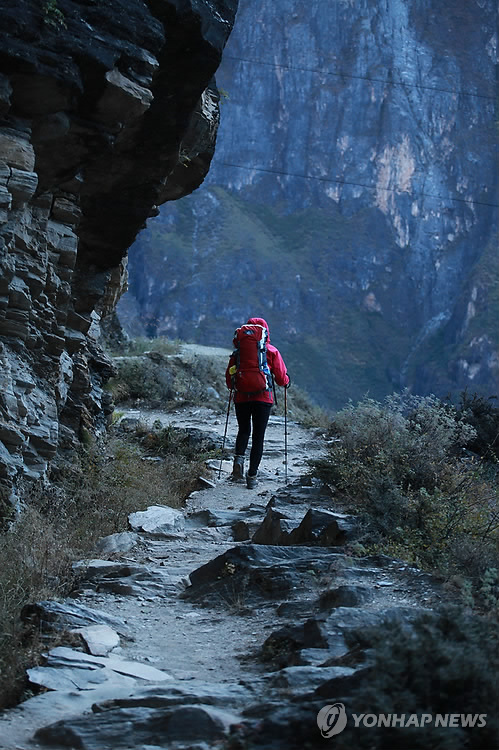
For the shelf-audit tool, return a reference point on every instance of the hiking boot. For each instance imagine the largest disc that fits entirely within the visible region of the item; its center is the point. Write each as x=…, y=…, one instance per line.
x=238, y=469
x=251, y=481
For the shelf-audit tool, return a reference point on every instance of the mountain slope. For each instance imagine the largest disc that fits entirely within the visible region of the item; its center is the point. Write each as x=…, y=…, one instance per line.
x=352, y=199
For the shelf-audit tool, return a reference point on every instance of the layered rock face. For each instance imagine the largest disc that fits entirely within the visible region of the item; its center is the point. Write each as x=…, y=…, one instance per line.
x=353, y=199
x=107, y=110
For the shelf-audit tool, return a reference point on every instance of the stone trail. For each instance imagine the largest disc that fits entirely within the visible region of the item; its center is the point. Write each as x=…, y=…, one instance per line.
x=198, y=627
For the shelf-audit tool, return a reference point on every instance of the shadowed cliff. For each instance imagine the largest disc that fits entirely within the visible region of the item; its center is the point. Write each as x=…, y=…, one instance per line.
x=107, y=110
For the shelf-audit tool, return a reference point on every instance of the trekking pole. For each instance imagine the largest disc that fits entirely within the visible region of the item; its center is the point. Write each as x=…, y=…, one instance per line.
x=285, y=436
x=225, y=434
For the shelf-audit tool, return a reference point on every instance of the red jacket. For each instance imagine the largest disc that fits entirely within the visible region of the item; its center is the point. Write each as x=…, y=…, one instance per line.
x=276, y=366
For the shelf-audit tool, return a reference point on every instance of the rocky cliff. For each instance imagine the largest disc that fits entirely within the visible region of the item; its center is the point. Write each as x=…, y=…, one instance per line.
x=353, y=199
x=107, y=110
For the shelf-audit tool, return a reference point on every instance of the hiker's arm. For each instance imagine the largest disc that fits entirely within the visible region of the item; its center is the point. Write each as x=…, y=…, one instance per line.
x=278, y=369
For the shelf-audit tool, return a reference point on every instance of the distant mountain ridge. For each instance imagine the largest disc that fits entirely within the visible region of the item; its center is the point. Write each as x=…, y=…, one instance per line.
x=379, y=270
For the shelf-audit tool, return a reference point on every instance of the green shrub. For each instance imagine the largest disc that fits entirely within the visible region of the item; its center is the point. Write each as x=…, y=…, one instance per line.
x=190, y=446
x=170, y=383
x=441, y=663
x=400, y=465
x=407, y=441
x=53, y=16
x=141, y=379
x=483, y=415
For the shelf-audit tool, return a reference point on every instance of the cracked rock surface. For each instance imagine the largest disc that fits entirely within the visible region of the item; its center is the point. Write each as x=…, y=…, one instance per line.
x=106, y=111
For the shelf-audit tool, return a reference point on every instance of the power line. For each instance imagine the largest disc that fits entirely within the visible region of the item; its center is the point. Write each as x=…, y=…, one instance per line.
x=362, y=78
x=355, y=184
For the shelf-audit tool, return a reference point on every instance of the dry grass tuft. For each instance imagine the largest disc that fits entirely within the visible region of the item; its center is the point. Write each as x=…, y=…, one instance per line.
x=90, y=496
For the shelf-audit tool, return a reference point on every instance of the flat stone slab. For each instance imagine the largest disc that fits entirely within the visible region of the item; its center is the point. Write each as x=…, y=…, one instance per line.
x=295, y=493
x=222, y=694
x=113, y=568
x=99, y=639
x=158, y=520
x=68, y=678
x=64, y=656
x=205, y=483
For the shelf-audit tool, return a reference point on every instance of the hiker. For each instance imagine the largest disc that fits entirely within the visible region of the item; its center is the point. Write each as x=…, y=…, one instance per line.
x=249, y=374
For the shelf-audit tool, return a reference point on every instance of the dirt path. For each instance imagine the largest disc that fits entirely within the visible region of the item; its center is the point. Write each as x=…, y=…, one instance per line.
x=173, y=635
x=197, y=652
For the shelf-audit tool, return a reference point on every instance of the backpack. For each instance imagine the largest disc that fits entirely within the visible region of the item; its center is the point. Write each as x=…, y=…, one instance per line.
x=250, y=374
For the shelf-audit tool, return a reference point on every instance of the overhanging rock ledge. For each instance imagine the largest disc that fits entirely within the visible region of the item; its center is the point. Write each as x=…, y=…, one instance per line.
x=106, y=111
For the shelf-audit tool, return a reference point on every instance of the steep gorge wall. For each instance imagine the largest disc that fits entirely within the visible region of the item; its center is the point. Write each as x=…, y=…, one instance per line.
x=379, y=270
x=106, y=111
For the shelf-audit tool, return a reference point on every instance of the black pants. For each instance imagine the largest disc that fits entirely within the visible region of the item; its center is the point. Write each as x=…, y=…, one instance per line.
x=256, y=413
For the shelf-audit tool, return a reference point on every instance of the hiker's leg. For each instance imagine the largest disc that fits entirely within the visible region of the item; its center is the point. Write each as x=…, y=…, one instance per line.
x=238, y=469
x=243, y=416
x=260, y=415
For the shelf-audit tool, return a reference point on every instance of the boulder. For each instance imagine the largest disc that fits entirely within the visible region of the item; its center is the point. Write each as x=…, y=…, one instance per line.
x=217, y=517
x=282, y=645
x=344, y=596
x=99, y=639
x=306, y=679
x=158, y=520
x=125, y=579
x=116, y=544
x=144, y=726
x=67, y=615
x=282, y=526
x=323, y=527
x=276, y=528
x=264, y=572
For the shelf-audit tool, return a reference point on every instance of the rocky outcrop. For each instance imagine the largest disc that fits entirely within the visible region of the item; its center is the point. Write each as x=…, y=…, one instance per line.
x=107, y=111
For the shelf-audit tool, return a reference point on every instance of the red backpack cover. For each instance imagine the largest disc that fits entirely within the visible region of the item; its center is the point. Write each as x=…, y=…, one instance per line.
x=251, y=372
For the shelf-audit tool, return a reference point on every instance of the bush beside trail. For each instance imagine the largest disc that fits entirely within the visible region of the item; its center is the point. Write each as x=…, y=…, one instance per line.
x=406, y=467
x=169, y=382
x=483, y=415
x=445, y=663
